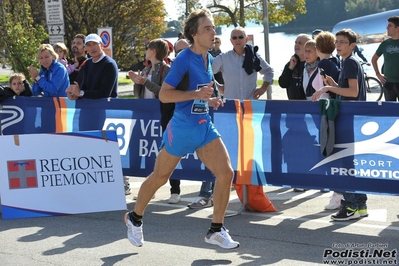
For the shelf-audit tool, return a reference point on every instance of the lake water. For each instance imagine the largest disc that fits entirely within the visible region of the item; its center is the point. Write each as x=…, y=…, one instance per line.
x=281, y=47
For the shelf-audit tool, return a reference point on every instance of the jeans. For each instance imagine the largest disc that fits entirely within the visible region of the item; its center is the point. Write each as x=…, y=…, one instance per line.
x=354, y=200
x=391, y=91
x=206, y=190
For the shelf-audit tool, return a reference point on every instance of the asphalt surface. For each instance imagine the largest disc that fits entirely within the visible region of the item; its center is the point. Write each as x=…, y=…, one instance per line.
x=299, y=233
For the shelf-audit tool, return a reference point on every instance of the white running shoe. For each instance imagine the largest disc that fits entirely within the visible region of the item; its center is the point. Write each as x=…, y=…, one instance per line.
x=174, y=198
x=222, y=239
x=335, y=201
x=134, y=233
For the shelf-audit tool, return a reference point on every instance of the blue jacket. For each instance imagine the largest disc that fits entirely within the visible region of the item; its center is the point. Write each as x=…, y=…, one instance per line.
x=53, y=82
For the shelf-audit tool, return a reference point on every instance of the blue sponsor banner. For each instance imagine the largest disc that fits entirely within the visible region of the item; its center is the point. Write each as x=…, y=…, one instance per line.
x=269, y=142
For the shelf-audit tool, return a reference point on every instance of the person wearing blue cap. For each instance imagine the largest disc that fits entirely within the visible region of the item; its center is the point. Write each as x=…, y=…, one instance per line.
x=316, y=32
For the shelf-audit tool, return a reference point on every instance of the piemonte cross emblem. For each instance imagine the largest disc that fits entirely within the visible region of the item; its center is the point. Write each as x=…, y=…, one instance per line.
x=22, y=174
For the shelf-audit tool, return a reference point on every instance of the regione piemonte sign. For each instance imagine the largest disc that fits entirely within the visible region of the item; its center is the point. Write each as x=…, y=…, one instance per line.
x=57, y=174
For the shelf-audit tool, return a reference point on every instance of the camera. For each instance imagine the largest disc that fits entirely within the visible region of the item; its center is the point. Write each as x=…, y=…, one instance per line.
x=322, y=72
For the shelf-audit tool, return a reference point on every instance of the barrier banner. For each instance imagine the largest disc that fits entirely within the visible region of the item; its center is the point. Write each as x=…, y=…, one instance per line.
x=269, y=142
x=57, y=174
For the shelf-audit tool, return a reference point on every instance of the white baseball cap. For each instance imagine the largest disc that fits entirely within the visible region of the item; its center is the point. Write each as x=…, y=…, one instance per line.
x=92, y=38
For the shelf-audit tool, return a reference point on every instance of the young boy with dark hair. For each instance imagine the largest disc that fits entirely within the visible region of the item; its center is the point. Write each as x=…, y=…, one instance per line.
x=350, y=87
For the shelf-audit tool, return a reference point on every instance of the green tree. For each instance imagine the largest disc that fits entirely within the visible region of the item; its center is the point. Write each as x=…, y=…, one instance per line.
x=21, y=37
x=322, y=14
x=131, y=21
x=191, y=5
x=357, y=8
x=237, y=12
x=175, y=24
x=251, y=10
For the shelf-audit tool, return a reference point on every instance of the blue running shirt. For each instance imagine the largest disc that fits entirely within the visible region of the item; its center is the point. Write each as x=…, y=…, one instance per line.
x=199, y=76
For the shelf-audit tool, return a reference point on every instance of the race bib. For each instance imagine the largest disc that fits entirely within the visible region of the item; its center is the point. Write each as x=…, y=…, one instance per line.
x=199, y=106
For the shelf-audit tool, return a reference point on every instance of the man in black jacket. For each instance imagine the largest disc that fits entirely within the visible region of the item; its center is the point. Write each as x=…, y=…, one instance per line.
x=291, y=78
x=79, y=54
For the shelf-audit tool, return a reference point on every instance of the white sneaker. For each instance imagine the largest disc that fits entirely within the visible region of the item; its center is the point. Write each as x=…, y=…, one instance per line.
x=128, y=191
x=174, y=198
x=335, y=201
x=134, y=233
x=126, y=183
x=222, y=239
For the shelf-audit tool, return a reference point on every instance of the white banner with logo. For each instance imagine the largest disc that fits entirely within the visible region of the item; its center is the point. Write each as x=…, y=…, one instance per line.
x=58, y=174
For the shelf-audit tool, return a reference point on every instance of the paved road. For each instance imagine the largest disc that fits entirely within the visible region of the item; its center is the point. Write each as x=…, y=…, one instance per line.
x=297, y=234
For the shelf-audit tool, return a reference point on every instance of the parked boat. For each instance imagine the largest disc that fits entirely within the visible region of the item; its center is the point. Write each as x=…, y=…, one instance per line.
x=370, y=28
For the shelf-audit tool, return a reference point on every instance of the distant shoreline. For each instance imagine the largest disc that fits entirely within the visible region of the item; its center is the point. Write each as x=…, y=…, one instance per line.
x=305, y=29
x=284, y=29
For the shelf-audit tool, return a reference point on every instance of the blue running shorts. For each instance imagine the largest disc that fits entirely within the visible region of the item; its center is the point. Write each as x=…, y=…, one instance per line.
x=184, y=135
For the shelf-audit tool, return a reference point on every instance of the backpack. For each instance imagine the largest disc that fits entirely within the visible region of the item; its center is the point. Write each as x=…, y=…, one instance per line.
x=161, y=73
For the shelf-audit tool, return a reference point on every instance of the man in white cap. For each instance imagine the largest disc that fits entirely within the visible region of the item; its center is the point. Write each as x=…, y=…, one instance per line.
x=98, y=78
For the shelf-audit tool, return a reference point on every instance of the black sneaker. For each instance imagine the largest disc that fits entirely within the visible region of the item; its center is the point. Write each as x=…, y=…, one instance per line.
x=300, y=189
x=345, y=214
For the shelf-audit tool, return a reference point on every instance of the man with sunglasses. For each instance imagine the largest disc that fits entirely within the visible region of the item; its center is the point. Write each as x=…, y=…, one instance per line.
x=239, y=70
x=180, y=45
x=390, y=49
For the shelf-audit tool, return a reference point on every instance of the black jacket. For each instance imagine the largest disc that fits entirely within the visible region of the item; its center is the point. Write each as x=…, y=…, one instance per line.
x=292, y=81
x=6, y=92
